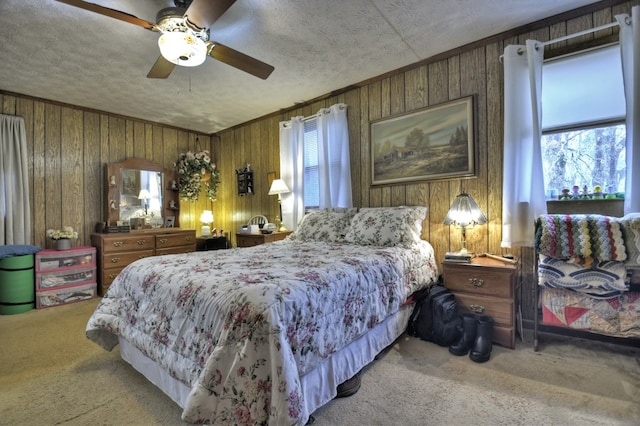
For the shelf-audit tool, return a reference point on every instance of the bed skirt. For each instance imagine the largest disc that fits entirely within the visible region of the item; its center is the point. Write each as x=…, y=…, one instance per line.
x=318, y=386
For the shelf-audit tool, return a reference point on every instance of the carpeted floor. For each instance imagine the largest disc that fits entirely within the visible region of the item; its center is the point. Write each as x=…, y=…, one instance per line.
x=51, y=374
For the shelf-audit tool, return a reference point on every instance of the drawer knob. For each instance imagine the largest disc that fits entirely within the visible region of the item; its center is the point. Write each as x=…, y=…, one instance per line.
x=117, y=243
x=476, y=309
x=115, y=259
x=188, y=238
x=140, y=242
x=163, y=241
x=112, y=276
x=476, y=282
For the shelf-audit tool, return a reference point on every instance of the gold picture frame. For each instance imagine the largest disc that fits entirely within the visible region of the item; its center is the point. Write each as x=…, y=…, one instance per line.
x=436, y=142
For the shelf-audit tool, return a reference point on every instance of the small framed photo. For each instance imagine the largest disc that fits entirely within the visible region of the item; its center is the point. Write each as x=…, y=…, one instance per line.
x=169, y=221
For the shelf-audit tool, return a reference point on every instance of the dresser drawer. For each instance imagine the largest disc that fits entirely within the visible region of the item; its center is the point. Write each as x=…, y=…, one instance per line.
x=479, y=280
x=129, y=243
x=177, y=240
x=500, y=310
x=176, y=250
x=114, y=260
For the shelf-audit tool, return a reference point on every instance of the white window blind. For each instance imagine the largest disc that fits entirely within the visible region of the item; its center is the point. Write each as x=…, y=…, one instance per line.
x=583, y=88
x=311, y=170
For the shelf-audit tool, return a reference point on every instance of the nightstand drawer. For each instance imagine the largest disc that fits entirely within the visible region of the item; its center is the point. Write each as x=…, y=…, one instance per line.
x=500, y=310
x=479, y=280
x=246, y=241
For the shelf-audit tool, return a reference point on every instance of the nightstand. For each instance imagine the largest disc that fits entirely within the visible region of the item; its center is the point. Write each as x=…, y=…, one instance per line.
x=250, y=240
x=212, y=243
x=486, y=287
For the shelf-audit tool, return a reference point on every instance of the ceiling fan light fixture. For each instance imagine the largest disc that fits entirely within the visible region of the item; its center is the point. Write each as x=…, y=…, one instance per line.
x=182, y=48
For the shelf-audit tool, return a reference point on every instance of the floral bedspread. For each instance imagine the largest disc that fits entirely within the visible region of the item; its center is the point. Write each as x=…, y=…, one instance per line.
x=241, y=326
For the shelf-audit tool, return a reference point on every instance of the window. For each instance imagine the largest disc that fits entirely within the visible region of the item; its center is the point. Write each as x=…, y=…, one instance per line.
x=583, y=116
x=311, y=170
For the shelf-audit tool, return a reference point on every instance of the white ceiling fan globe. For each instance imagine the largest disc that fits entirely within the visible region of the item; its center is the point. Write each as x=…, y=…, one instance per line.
x=182, y=48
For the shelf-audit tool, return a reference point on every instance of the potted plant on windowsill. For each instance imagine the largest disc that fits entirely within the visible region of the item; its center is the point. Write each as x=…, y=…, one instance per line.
x=62, y=237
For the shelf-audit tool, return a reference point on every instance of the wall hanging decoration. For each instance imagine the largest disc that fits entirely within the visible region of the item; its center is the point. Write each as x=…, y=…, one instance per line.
x=432, y=143
x=194, y=169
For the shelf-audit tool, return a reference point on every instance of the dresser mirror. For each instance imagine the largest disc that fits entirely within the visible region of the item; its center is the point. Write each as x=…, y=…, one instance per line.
x=140, y=192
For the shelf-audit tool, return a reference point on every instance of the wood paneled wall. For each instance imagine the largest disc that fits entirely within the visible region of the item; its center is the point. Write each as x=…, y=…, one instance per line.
x=474, y=70
x=69, y=146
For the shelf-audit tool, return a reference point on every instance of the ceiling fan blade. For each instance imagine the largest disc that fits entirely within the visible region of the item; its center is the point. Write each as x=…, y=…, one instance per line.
x=161, y=69
x=203, y=13
x=239, y=60
x=112, y=13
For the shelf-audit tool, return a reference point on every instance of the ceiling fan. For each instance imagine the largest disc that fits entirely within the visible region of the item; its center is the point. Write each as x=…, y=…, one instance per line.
x=184, y=36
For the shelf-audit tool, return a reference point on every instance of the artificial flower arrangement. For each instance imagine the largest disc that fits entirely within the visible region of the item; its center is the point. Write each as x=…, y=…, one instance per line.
x=58, y=234
x=193, y=169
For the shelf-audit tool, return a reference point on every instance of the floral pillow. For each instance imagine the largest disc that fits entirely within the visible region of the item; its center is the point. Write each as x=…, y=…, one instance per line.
x=324, y=225
x=387, y=226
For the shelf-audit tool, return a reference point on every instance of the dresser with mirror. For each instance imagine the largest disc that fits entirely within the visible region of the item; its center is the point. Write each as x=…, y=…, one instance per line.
x=142, y=206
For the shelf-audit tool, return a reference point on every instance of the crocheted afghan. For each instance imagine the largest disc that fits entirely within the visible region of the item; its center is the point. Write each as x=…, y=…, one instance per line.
x=565, y=236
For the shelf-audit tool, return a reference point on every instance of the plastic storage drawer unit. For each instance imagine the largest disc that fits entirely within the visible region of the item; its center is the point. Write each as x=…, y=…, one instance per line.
x=65, y=276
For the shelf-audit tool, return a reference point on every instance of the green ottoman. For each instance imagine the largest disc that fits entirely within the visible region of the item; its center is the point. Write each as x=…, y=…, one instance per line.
x=17, y=288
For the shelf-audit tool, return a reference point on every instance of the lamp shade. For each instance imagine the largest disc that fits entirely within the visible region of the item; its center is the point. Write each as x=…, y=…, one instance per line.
x=182, y=48
x=278, y=187
x=465, y=212
x=206, y=217
x=144, y=195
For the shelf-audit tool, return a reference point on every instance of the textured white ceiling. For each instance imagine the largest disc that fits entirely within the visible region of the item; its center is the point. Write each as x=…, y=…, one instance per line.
x=58, y=52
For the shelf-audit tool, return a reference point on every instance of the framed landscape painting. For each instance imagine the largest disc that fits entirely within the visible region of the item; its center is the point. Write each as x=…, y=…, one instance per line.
x=432, y=143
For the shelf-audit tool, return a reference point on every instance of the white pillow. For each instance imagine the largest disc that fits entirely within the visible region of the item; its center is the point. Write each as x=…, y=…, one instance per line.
x=323, y=225
x=387, y=226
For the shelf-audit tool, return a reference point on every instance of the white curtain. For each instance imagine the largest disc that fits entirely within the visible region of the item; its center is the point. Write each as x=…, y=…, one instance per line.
x=15, y=225
x=333, y=163
x=630, y=50
x=523, y=181
x=333, y=153
x=292, y=170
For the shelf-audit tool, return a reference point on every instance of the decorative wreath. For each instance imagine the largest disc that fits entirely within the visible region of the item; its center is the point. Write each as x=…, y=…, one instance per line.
x=194, y=169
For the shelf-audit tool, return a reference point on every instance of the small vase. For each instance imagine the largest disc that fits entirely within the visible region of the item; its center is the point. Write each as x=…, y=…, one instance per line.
x=63, y=244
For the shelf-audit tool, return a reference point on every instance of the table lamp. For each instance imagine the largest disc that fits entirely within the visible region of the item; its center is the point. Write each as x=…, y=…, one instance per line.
x=278, y=187
x=465, y=213
x=206, y=218
x=145, y=195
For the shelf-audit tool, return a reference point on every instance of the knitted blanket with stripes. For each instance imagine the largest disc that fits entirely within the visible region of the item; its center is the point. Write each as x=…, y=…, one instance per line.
x=583, y=235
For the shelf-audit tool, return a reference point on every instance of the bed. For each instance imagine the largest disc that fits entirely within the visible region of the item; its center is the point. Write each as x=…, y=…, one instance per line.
x=265, y=334
x=589, y=274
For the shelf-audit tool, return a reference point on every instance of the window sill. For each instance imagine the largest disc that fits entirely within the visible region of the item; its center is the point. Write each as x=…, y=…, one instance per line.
x=607, y=207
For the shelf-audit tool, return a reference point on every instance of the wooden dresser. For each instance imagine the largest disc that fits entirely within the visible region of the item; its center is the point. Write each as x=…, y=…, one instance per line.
x=250, y=240
x=115, y=251
x=486, y=287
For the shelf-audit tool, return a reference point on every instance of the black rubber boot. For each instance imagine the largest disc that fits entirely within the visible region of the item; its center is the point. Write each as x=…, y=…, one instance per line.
x=481, y=350
x=468, y=338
